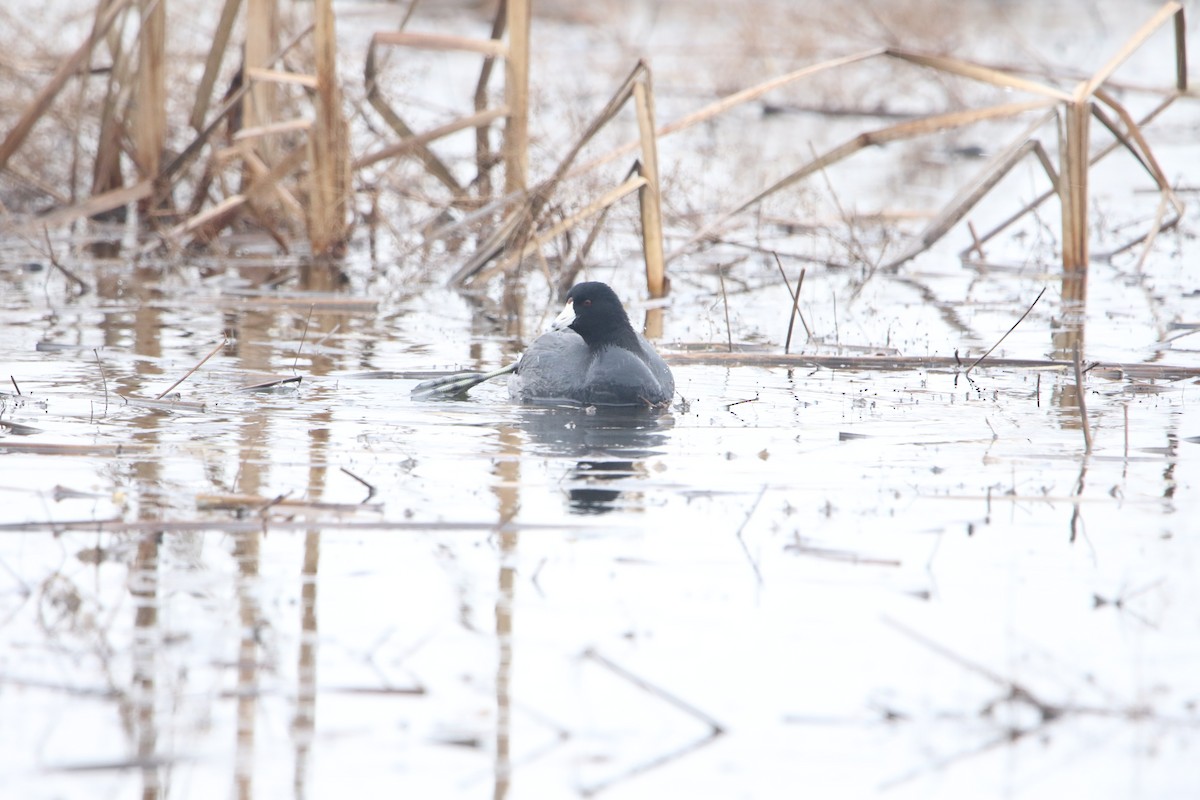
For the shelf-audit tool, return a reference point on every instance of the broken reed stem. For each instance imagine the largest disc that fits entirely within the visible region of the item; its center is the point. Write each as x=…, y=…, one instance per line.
x=103, y=377
x=14, y=383
x=1083, y=415
x=212, y=353
x=796, y=312
x=725, y=302
x=370, y=489
x=787, y=344
x=303, y=335
x=80, y=284
x=1005, y=336
x=479, y=122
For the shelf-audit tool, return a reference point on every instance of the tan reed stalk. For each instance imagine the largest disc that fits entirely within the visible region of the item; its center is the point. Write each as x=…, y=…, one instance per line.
x=630, y=185
x=484, y=157
x=477, y=121
x=68, y=68
x=329, y=151
x=433, y=164
x=517, y=224
x=212, y=65
x=904, y=130
x=649, y=198
x=971, y=193
x=516, y=96
x=258, y=105
x=149, y=122
x=1044, y=196
x=1072, y=192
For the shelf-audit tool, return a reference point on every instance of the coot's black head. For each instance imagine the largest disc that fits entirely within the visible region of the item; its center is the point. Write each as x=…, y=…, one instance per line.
x=594, y=312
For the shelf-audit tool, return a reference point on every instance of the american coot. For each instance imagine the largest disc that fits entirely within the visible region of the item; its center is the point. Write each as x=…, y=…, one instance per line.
x=593, y=356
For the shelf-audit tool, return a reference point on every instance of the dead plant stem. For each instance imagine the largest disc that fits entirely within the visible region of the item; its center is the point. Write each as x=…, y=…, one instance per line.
x=1005, y=336
x=725, y=303
x=303, y=335
x=787, y=343
x=80, y=284
x=211, y=353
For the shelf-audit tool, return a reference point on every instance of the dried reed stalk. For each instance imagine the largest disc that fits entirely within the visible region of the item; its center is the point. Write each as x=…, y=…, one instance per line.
x=258, y=105
x=891, y=133
x=971, y=193
x=212, y=65
x=516, y=96
x=106, y=167
x=478, y=121
x=329, y=149
x=649, y=195
x=69, y=67
x=484, y=158
x=261, y=75
x=724, y=104
x=1110, y=370
x=518, y=223
x=93, y=206
x=149, y=123
x=1072, y=193
x=437, y=41
x=433, y=164
x=630, y=185
x=1053, y=191
x=258, y=170
x=1070, y=180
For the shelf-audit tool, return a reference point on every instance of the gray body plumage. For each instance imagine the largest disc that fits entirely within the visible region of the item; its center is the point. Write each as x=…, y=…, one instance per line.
x=560, y=367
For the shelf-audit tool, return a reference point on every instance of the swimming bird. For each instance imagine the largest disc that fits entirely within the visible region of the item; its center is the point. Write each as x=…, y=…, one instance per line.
x=592, y=356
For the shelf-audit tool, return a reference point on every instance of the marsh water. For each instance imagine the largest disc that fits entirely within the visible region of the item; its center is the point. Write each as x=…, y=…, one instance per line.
x=283, y=577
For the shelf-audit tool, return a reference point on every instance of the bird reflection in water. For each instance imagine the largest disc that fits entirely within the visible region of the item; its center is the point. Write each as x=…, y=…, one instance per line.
x=609, y=445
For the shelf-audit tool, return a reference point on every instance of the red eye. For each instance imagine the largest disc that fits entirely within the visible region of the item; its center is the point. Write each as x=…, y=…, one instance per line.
x=587, y=303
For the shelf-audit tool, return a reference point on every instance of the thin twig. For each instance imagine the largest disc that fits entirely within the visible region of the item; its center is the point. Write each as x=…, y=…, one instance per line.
x=729, y=406
x=370, y=488
x=853, y=245
x=80, y=284
x=1010, y=330
x=103, y=378
x=1083, y=415
x=787, y=344
x=14, y=383
x=725, y=301
x=212, y=353
x=307, y=319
